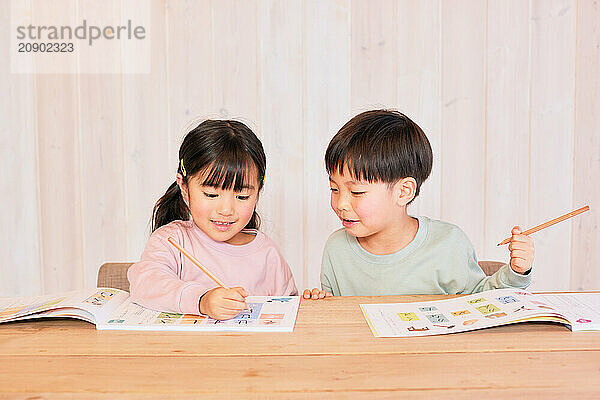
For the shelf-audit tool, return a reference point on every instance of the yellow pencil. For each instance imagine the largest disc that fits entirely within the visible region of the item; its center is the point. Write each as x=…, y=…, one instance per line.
x=551, y=222
x=202, y=267
x=197, y=263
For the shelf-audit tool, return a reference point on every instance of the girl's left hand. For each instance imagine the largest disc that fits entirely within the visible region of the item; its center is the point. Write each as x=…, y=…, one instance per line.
x=521, y=251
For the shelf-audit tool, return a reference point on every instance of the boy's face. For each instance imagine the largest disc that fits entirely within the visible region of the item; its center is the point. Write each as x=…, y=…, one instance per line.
x=365, y=209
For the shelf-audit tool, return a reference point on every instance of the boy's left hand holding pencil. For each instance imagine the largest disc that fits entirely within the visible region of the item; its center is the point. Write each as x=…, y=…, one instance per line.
x=521, y=251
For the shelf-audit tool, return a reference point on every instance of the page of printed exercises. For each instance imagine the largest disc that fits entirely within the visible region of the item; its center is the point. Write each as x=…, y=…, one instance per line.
x=581, y=309
x=264, y=313
x=111, y=309
x=482, y=310
x=91, y=305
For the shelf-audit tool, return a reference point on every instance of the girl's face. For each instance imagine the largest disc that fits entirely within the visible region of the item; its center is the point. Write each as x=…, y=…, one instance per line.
x=221, y=213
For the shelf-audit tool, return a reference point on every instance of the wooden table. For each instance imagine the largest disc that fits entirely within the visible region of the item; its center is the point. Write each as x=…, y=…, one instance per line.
x=331, y=354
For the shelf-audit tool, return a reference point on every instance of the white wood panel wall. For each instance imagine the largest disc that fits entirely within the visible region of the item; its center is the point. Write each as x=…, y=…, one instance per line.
x=507, y=91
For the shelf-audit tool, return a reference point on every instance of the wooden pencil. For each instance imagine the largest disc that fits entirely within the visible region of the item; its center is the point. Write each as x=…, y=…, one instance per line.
x=551, y=222
x=197, y=263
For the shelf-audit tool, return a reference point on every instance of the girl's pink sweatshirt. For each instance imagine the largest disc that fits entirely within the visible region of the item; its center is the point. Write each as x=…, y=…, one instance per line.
x=164, y=279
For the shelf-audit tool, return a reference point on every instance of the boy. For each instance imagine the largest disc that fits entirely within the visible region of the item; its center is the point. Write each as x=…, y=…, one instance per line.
x=377, y=163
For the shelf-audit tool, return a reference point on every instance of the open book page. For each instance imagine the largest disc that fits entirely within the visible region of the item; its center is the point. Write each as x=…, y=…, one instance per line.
x=582, y=310
x=266, y=313
x=90, y=305
x=466, y=313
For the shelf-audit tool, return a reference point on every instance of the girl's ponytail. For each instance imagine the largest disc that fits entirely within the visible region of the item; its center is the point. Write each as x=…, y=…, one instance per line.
x=254, y=222
x=169, y=207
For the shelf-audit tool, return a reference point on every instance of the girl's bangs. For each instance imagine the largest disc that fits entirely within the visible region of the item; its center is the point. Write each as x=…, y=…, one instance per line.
x=227, y=174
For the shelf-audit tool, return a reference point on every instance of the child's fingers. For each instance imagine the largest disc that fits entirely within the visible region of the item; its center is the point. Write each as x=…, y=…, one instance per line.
x=516, y=234
x=232, y=306
x=315, y=294
x=518, y=261
x=234, y=295
x=241, y=291
x=520, y=254
x=311, y=294
x=520, y=246
x=225, y=309
x=521, y=260
x=519, y=265
x=520, y=239
x=225, y=315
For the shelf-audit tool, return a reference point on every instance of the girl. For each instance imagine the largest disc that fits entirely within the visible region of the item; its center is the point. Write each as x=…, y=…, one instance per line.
x=221, y=172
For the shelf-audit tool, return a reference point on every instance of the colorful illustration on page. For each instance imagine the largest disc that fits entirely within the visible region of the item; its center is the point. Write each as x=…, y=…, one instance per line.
x=101, y=297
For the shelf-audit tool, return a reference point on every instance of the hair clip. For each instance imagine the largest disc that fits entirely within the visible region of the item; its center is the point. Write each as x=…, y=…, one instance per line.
x=182, y=168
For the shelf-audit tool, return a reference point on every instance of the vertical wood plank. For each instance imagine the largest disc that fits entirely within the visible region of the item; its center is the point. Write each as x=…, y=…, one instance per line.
x=463, y=116
x=19, y=233
x=551, y=164
x=190, y=69
x=59, y=164
x=147, y=171
x=585, y=250
x=419, y=87
x=326, y=109
x=281, y=127
x=236, y=47
x=104, y=231
x=507, y=125
x=374, y=49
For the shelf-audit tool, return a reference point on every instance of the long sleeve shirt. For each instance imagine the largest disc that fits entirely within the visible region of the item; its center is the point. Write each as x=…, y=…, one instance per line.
x=164, y=279
x=439, y=260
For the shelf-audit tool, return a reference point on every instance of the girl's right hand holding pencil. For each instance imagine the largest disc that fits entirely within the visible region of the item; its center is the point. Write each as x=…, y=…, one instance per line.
x=221, y=303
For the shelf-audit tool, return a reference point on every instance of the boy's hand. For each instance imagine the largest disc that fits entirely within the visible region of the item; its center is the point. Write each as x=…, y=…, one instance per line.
x=315, y=294
x=220, y=303
x=521, y=251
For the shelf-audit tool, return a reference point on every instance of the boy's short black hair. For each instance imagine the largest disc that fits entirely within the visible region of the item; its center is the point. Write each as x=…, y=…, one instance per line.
x=381, y=146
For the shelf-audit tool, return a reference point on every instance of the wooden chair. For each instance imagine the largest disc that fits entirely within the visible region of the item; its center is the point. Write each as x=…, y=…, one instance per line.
x=490, y=267
x=115, y=274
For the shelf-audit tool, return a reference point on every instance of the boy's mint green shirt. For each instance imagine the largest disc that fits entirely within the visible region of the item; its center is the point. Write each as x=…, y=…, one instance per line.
x=439, y=260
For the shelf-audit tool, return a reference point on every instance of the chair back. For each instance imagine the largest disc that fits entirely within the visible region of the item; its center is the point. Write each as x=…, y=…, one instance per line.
x=114, y=275
x=490, y=267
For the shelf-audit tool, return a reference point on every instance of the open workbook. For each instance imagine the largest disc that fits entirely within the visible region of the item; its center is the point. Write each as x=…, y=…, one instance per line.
x=111, y=309
x=579, y=311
